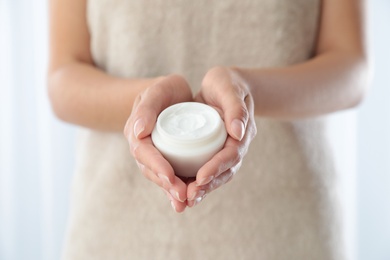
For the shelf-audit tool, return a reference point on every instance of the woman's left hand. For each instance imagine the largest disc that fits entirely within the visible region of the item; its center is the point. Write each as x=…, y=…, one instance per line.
x=224, y=89
x=166, y=91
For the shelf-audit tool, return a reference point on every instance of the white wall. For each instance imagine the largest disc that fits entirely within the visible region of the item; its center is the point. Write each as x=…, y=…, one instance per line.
x=36, y=150
x=374, y=144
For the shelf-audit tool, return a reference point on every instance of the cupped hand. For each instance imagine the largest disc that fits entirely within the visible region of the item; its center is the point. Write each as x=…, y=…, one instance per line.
x=224, y=89
x=149, y=104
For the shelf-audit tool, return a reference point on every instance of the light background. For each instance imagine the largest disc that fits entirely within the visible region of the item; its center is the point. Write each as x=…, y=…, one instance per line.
x=374, y=144
x=36, y=150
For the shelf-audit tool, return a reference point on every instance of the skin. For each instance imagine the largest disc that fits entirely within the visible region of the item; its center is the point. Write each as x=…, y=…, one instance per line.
x=334, y=79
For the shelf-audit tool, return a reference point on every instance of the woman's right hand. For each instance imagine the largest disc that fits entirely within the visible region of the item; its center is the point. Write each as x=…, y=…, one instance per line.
x=149, y=104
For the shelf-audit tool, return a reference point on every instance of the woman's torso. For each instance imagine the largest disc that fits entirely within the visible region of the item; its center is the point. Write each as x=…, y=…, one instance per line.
x=280, y=205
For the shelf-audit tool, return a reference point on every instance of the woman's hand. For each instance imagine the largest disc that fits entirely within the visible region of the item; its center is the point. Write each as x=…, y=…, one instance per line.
x=223, y=89
x=149, y=104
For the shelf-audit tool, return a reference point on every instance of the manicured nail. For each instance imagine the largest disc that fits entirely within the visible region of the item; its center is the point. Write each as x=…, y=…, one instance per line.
x=197, y=200
x=205, y=181
x=139, y=127
x=238, y=129
x=164, y=179
x=173, y=206
x=197, y=194
x=175, y=194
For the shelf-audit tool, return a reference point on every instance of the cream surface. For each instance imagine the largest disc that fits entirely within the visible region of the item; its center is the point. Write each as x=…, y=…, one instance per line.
x=189, y=120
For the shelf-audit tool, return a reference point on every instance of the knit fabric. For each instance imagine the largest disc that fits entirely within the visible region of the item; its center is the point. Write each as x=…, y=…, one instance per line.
x=280, y=205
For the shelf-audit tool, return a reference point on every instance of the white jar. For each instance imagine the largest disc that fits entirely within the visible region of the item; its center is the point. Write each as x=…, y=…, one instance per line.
x=188, y=135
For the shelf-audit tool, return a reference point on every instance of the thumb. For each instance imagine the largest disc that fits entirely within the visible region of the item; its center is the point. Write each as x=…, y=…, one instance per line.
x=144, y=125
x=170, y=90
x=236, y=116
x=224, y=89
x=140, y=123
x=237, y=129
x=144, y=114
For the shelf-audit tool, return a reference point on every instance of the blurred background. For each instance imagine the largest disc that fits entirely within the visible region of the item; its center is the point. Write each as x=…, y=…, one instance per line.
x=37, y=151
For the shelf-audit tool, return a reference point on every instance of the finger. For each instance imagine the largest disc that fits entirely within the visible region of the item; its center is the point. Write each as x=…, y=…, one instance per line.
x=170, y=90
x=178, y=190
x=199, y=98
x=229, y=95
x=222, y=179
x=151, y=176
x=145, y=114
x=231, y=154
x=176, y=205
x=157, y=179
x=235, y=115
x=196, y=194
x=147, y=155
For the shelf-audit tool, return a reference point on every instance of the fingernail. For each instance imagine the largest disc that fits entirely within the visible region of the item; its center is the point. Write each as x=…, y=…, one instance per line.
x=139, y=127
x=140, y=166
x=175, y=194
x=173, y=206
x=197, y=201
x=164, y=179
x=197, y=194
x=238, y=129
x=205, y=181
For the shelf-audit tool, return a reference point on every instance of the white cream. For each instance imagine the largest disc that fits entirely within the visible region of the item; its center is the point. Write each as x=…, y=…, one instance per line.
x=188, y=135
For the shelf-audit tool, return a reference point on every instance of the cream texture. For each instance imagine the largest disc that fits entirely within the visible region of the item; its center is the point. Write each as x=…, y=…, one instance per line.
x=280, y=205
x=186, y=125
x=188, y=121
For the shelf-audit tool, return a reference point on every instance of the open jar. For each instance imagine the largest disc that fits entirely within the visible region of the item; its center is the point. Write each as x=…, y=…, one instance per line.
x=188, y=135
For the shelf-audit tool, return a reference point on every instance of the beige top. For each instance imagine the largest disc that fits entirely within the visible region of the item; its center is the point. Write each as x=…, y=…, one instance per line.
x=281, y=204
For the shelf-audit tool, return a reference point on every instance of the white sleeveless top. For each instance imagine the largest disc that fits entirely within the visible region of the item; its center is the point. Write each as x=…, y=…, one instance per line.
x=281, y=204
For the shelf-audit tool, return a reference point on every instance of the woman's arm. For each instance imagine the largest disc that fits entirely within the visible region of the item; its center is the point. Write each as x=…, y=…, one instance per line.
x=335, y=79
x=79, y=92
x=82, y=94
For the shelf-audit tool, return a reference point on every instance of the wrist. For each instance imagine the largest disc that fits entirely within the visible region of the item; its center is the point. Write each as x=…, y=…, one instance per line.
x=241, y=77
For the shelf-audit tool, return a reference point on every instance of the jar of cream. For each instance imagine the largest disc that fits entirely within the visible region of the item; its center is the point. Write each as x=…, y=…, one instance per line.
x=188, y=135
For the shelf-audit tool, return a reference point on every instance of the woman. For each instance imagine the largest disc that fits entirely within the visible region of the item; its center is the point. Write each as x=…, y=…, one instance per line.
x=270, y=67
